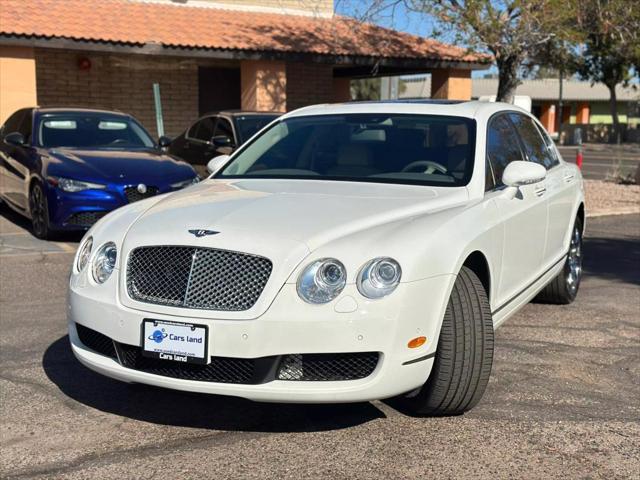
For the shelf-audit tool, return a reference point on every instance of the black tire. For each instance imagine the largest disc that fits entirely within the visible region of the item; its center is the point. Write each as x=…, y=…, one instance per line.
x=39, y=210
x=563, y=289
x=464, y=356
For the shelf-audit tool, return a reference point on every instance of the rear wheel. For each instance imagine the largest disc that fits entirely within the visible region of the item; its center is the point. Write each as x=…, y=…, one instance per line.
x=39, y=212
x=563, y=289
x=464, y=356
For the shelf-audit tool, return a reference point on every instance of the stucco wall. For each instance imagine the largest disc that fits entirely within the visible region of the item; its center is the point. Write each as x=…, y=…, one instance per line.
x=17, y=80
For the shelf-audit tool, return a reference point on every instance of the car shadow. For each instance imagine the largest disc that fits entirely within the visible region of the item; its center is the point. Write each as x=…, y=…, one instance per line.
x=25, y=224
x=186, y=409
x=612, y=259
x=14, y=217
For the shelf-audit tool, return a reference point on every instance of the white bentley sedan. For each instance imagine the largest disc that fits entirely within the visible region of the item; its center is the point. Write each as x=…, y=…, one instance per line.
x=346, y=253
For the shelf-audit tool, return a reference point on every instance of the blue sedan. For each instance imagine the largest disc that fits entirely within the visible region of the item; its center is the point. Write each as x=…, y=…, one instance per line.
x=67, y=168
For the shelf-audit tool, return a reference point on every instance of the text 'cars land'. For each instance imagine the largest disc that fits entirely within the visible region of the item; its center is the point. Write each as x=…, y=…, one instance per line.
x=347, y=253
x=66, y=168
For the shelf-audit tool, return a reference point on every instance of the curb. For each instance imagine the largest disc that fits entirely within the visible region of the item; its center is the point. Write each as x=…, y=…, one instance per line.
x=611, y=212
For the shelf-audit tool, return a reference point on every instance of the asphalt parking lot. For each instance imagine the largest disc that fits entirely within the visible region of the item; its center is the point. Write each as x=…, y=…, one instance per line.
x=563, y=400
x=602, y=160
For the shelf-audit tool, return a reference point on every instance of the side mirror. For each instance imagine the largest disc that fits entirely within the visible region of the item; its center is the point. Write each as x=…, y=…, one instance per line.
x=222, y=141
x=217, y=163
x=15, y=139
x=521, y=173
x=164, y=141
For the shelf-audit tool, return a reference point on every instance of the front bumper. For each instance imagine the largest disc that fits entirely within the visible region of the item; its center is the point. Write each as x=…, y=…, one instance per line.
x=348, y=325
x=80, y=210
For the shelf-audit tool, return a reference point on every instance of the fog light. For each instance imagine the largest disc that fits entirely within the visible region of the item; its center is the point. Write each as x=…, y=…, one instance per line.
x=417, y=342
x=291, y=368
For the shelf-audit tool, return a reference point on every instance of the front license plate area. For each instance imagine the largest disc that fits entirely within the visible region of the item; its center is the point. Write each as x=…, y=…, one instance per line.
x=175, y=341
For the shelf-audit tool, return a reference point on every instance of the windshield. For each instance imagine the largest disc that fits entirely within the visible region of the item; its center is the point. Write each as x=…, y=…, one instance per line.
x=92, y=130
x=248, y=125
x=389, y=148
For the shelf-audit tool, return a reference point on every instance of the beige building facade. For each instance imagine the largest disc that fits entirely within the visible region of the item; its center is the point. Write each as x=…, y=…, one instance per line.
x=205, y=55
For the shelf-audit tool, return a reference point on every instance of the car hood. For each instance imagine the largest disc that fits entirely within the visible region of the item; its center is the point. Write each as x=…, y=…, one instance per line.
x=118, y=165
x=282, y=220
x=308, y=212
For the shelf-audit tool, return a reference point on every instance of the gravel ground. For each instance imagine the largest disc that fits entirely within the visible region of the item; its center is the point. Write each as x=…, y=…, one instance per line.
x=607, y=198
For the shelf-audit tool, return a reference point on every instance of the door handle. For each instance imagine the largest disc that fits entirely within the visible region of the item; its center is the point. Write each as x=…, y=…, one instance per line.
x=540, y=191
x=568, y=177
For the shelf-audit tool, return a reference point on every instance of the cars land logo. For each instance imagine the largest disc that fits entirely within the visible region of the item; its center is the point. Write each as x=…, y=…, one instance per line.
x=142, y=188
x=201, y=233
x=158, y=336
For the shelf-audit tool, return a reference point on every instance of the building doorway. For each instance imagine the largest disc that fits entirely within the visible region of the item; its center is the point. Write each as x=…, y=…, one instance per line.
x=218, y=89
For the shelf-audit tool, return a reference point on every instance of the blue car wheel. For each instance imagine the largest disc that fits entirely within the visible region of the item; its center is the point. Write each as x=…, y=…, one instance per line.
x=39, y=212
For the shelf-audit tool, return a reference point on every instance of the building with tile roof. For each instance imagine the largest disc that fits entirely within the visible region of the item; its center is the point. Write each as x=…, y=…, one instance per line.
x=205, y=55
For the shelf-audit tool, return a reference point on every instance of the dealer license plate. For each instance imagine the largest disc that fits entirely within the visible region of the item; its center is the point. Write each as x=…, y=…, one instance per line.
x=176, y=341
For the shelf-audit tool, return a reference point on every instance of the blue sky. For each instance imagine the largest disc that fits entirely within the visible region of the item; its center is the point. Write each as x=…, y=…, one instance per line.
x=401, y=19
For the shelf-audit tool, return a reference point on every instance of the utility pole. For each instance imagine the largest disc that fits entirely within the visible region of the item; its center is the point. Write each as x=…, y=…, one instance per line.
x=561, y=75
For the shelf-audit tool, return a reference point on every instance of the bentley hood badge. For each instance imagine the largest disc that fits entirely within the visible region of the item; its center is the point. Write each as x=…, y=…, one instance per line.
x=201, y=233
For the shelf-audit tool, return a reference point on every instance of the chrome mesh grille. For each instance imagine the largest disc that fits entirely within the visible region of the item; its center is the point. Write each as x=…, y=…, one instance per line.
x=201, y=278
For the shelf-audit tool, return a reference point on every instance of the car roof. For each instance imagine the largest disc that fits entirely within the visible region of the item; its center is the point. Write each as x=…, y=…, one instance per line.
x=79, y=110
x=468, y=109
x=239, y=113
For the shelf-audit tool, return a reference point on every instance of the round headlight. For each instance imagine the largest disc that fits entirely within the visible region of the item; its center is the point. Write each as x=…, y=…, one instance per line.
x=322, y=281
x=84, y=254
x=104, y=262
x=379, y=277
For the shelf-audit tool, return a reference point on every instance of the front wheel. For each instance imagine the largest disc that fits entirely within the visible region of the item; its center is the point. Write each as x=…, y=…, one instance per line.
x=563, y=289
x=39, y=212
x=464, y=356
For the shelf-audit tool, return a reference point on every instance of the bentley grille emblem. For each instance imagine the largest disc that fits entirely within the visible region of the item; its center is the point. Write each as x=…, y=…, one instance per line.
x=142, y=188
x=201, y=233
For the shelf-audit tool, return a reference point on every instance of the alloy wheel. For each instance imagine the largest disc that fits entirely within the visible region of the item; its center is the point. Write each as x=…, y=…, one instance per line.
x=574, y=261
x=38, y=206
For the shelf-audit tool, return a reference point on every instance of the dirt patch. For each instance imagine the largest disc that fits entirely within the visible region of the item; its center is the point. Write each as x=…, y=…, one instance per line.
x=611, y=198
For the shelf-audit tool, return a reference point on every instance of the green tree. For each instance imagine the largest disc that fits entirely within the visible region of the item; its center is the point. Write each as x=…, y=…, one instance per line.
x=513, y=31
x=365, y=89
x=611, y=51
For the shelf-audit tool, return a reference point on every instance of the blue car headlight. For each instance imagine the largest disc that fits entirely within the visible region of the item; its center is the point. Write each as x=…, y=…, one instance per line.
x=70, y=185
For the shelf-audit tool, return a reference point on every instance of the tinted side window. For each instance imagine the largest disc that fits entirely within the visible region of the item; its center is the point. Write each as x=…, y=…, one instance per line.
x=551, y=148
x=203, y=130
x=26, y=125
x=192, y=130
x=503, y=146
x=535, y=147
x=223, y=127
x=13, y=123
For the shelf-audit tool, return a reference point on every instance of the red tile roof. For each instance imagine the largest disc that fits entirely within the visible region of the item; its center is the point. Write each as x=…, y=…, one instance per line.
x=137, y=23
